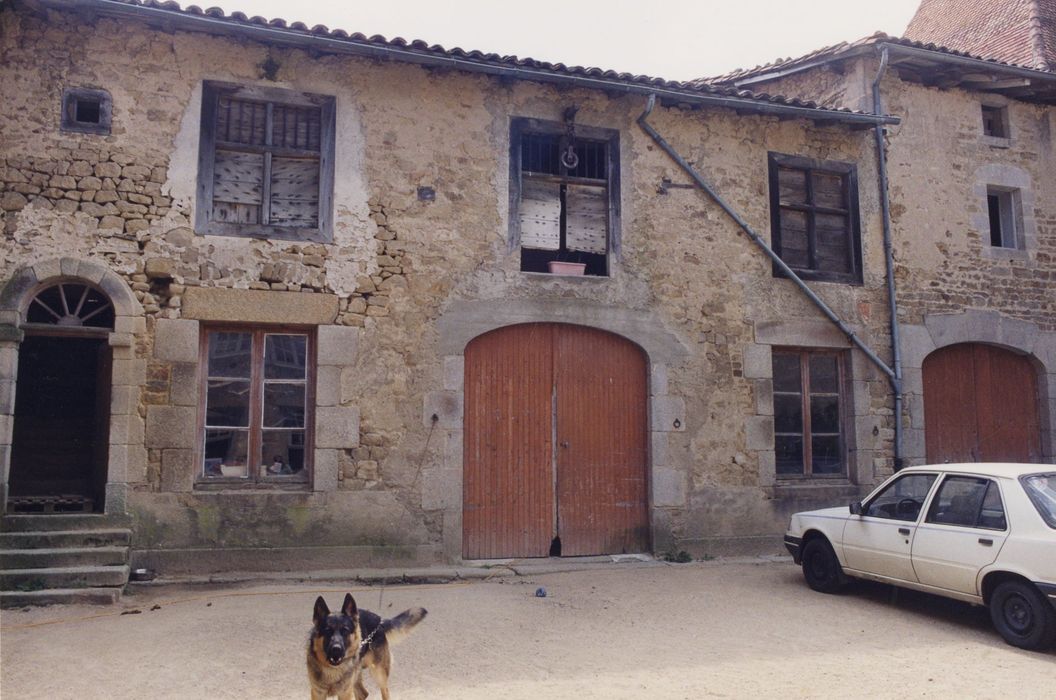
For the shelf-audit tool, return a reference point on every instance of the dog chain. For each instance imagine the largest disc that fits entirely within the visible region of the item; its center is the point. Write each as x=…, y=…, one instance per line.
x=365, y=644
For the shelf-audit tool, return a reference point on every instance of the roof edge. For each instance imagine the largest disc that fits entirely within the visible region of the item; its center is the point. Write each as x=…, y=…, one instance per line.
x=179, y=19
x=894, y=47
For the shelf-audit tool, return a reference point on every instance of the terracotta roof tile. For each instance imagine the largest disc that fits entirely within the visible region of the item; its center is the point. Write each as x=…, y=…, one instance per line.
x=424, y=50
x=1022, y=32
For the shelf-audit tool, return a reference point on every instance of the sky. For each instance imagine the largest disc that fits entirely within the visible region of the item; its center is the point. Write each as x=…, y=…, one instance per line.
x=673, y=39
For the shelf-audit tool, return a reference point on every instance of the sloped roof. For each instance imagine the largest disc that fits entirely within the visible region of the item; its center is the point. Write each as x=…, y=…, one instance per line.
x=169, y=15
x=1022, y=32
x=916, y=61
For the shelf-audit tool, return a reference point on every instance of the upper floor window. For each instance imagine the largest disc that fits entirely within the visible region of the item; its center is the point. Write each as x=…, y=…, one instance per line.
x=86, y=110
x=815, y=226
x=564, y=196
x=809, y=424
x=1003, y=210
x=265, y=163
x=995, y=121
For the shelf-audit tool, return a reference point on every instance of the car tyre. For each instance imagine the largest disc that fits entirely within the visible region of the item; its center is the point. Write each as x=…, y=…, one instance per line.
x=821, y=568
x=1023, y=616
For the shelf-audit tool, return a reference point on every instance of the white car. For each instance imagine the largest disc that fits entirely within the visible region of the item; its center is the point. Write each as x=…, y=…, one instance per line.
x=981, y=533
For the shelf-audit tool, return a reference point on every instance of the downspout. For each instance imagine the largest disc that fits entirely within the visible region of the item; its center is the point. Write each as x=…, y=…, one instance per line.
x=788, y=272
x=889, y=260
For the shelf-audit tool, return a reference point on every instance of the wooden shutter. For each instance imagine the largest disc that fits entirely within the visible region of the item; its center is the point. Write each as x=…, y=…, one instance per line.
x=238, y=186
x=540, y=215
x=295, y=192
x=586, y=218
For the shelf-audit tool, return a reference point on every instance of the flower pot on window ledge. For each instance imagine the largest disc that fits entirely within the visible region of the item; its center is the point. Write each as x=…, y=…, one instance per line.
x=558, y=267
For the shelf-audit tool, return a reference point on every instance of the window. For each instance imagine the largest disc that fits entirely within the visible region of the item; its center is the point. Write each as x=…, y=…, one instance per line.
x=902, y=499
x=1041, y=489
x=265, y=163
x=564, y=210
x=86, y=111
x=257, y=401
x=808, y=413
x=1003, y=210
x=995, y=121
x=814, y=220
x=968, y=501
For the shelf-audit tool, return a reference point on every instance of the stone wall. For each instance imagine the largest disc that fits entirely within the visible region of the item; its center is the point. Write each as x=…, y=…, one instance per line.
x=402, y=271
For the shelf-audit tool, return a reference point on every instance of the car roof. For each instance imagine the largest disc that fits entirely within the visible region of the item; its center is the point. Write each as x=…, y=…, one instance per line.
x=998, y=469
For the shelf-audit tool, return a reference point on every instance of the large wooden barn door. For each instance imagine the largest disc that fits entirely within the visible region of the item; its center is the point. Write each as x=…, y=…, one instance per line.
x=601, y=487
x=507, y=483
x=555, y=443
x=980, y=405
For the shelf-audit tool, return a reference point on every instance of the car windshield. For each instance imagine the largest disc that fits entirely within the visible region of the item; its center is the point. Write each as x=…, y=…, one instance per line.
x=1042, y=491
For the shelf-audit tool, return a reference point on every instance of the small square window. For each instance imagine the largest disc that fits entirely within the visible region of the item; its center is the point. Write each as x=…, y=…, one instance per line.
x=564, y=197
x=995, y=121
x=1003, y=211
x=86, y=111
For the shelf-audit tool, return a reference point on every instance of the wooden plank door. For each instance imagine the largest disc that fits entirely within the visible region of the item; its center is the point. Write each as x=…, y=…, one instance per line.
x=980, y=405
x=508, y=492
x=600, y=395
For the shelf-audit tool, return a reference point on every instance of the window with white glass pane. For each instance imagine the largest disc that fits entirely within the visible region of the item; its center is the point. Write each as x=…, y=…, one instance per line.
x=257, y=407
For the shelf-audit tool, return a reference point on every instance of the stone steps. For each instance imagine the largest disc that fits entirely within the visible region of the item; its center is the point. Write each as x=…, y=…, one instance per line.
x=50, y=559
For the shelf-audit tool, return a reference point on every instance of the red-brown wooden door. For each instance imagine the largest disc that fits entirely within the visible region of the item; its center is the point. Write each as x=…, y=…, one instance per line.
x=554, y=444
x=980, y=405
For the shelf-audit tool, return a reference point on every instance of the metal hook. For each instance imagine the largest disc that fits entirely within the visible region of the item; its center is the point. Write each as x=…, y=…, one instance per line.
x=569, y=159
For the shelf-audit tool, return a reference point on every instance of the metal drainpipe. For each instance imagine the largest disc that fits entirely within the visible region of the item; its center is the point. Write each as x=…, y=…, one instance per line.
x=885, y=211
x=829, y=313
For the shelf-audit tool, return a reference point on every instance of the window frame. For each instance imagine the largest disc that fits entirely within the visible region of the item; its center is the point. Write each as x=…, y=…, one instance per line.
x=845, y=402
x=995, y=115
x=1009, y=217
x=203, y=223
x=846, y=171
x=521, y=126
x=932, y=514
x=254, y=445
x=71, y=97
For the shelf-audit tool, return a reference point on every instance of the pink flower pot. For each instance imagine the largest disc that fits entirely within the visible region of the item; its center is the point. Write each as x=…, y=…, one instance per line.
x=566, y=268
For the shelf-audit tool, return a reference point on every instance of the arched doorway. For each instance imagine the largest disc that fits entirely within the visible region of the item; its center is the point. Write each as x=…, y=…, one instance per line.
x=980, y=405
x=60, y=435
x=555, y=443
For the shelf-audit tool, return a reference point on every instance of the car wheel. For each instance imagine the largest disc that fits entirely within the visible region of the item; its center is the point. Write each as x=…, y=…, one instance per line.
x=821, y=568
x=1022, y=615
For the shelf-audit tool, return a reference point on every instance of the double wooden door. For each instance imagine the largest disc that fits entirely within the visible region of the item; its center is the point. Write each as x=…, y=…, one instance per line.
x=980, y=405
x=554, y=444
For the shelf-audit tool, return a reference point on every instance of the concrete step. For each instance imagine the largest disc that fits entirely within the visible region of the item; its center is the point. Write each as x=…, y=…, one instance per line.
x=62, y=521
x=112, y=537
x=60, y=596
x=62, y=557
x=63, y=577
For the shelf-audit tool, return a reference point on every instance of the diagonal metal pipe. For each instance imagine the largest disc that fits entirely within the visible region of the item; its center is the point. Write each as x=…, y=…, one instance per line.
x=758, y=240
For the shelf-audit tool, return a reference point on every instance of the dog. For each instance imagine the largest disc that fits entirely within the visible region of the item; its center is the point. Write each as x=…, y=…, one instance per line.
x=341, y=645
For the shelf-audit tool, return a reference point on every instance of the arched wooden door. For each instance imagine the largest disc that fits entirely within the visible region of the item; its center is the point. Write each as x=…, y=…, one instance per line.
x=555, y=443
x=980, y=405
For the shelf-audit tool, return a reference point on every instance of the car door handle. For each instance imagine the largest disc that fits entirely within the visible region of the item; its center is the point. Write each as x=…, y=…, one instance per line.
x=903, y=531
x=986, y=542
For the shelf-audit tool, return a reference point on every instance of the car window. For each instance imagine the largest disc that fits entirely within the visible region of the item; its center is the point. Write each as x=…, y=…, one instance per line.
x=1042, y=491
x=902, y=499
x=968, y=501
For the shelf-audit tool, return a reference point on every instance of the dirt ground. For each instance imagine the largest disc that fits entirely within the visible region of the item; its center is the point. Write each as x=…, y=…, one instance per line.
x=713, y=629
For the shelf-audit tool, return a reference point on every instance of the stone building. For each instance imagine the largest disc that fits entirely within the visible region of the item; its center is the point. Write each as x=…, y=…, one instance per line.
x=972, y=186
x=278, y=297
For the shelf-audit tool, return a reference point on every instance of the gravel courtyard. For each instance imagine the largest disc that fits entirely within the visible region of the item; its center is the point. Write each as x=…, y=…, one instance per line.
x=713, y=629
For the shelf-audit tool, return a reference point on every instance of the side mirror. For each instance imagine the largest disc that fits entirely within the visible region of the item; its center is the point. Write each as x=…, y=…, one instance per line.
x=856, y=508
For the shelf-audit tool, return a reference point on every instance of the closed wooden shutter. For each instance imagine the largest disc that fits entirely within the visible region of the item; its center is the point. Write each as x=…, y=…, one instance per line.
x=586, y=227
x=540, y=215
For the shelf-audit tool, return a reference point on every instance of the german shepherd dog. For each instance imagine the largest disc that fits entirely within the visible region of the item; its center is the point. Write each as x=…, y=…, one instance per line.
x=344, y=643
